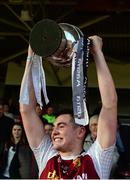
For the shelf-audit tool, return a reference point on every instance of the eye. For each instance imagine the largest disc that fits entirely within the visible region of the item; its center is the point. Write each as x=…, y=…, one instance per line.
x=61, y=126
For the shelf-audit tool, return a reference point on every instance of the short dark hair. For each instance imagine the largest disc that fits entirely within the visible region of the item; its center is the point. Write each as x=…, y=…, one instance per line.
x=67, y=112
x=64, y=111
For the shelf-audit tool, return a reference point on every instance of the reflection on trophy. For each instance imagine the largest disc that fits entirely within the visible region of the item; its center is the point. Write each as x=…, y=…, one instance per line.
x=55, y=41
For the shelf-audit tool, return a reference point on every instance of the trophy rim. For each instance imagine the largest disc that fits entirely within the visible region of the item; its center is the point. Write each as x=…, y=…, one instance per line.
x=74, y=31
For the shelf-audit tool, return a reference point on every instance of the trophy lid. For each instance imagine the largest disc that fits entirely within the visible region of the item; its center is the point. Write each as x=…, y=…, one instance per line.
x=45, y=37
x=48, y=37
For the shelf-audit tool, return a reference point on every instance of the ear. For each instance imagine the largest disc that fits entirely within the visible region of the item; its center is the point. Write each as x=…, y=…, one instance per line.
x=81, y=132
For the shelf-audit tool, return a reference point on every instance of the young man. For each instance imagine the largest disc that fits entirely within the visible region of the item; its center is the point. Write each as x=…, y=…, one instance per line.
x=62, y=156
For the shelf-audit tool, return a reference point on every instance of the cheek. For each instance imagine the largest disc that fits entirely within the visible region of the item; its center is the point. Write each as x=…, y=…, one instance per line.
x=69, y=135
x=20, y=133
x=95, y=128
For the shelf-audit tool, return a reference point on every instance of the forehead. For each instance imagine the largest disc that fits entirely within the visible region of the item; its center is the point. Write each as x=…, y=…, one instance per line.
x=65, y=118
x=94, y=121
x=17, y=127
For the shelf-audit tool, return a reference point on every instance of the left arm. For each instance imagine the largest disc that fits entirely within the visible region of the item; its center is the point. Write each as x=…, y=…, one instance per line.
x=107, y=123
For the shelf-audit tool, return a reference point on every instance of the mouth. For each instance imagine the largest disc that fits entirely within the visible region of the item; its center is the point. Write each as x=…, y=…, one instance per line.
x=57, y=139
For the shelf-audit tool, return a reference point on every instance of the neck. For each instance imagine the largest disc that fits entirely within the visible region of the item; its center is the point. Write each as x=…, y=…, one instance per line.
x=71, y=153
x=17, y=140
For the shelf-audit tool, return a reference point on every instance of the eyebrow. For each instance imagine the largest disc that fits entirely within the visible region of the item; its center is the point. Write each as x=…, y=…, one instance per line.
x=17, y=129
x=94, y=123
x=60, y=123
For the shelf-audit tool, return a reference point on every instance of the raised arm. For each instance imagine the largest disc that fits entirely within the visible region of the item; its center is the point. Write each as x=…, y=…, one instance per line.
x=33, y=125
x=107, y=123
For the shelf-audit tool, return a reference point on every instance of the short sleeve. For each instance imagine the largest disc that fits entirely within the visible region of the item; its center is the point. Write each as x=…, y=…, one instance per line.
x=44, y=152
x=102, y=159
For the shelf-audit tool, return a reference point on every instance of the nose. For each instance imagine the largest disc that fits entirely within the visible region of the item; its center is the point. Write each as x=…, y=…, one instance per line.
x=55, y=131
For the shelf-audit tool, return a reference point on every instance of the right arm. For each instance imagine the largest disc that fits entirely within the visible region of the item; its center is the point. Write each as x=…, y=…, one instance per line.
x=32, y=124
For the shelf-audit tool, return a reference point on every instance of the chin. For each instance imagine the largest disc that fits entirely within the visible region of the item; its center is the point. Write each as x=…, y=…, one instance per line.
x=58, y=147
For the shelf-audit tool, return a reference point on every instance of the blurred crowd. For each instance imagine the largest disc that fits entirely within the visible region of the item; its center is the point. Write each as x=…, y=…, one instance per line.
x=16, y=158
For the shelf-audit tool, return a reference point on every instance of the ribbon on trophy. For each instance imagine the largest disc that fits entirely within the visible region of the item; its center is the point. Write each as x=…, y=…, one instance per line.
x=80, y=81
x=39, y=82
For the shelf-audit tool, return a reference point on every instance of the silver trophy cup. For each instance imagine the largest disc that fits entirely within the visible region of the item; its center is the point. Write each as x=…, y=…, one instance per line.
x=54, y=41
